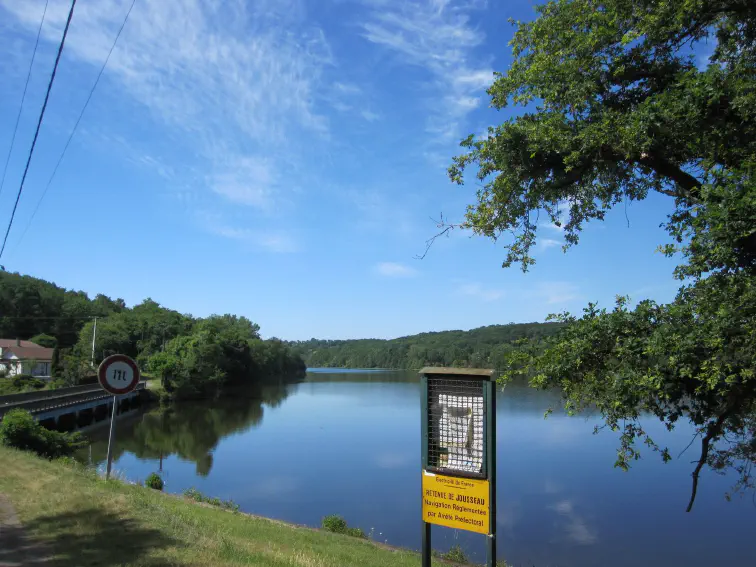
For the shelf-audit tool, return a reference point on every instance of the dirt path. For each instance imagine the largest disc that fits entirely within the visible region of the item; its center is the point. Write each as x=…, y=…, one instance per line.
x=16, y=547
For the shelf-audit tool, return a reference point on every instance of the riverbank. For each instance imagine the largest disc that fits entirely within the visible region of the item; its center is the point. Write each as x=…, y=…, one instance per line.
x=80, y=519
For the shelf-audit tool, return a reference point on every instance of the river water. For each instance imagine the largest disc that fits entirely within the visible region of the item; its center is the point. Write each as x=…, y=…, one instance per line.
x=348, y=443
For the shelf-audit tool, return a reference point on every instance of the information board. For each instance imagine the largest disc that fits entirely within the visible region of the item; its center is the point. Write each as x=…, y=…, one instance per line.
x=456, y=502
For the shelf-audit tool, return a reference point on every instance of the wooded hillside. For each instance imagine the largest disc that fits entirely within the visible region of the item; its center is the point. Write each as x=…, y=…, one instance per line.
x=477, y=348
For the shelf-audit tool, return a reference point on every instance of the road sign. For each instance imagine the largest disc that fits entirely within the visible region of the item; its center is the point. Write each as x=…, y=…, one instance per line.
x=118, y=374
x=458, y=446
x=455, y=502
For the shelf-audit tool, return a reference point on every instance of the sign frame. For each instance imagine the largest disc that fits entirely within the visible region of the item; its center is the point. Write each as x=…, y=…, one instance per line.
x=102, y=371
x=486, y=378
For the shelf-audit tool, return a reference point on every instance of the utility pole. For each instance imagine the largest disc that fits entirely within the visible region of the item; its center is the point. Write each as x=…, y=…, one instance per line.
x=94, y=337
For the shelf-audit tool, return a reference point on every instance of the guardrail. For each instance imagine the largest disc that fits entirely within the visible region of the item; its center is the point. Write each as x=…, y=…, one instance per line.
x=42, y=394
x=70, y=397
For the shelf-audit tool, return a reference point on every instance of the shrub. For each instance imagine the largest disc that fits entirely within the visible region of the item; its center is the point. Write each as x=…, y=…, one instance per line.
x=455, y=555
x=338, y=525
x=20, y=430
x=27, y=382
x=154, y=481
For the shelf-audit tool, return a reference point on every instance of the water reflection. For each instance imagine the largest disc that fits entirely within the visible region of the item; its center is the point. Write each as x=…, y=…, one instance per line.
x=348, y=443
x=191, y=430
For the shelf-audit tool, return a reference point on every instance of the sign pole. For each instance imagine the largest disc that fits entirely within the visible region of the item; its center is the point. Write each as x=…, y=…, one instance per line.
x=458, y=445
x=490, y=390
x=118, y=374
x=111, y=437
x=426, y=534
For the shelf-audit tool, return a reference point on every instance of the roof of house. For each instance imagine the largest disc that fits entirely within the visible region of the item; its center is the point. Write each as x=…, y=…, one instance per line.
x=4, y=343
x=38, y=353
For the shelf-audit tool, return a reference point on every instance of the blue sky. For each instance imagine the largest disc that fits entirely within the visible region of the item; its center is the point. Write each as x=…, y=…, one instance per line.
x=281, y=159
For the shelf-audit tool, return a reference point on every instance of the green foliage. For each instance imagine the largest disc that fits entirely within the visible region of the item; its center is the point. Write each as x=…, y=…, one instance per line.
x=20, y=383
x=478, y=348
x=194, y=494
x=221, y=351
x=31, y=307
x=338, y=525
x=193, y=357
x=455, y=554
x=619, y=109
x=44, y=340
x=21, y=431
x=154, y=481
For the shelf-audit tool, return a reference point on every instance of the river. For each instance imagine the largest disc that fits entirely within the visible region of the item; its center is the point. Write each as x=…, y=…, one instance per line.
x=348, y=443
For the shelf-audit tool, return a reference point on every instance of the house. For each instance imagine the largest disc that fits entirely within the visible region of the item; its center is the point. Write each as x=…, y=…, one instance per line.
x=24, y=357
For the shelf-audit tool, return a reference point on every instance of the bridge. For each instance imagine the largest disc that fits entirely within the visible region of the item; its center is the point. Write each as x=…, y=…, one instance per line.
x=68, y=408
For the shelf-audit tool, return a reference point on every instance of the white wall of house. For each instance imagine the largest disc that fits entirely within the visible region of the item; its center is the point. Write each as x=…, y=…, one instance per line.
x=15, y=366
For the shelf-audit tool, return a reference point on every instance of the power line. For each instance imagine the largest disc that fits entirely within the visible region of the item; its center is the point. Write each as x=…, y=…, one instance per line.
x=23, y=98
x=39, y=123
x=65, y=148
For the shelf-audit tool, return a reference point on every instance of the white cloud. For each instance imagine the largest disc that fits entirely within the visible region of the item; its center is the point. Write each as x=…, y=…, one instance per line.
x=478, y=291
x=547, y=243
x=437, y=36
x=554, y=293
x=394, y=270
x=347, y=88
x=271, y=240
x=248, y=181
x=370, y=116
x=232, y=80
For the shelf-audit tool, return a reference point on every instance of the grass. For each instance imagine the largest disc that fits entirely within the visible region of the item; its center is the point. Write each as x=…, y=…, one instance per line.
x=87, y=521
x=197, y=496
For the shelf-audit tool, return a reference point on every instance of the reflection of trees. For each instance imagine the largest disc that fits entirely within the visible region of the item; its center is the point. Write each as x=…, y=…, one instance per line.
x=192, y=430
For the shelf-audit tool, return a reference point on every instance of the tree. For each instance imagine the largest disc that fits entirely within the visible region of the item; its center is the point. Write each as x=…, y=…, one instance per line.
x=44, y=340
x=616, y=109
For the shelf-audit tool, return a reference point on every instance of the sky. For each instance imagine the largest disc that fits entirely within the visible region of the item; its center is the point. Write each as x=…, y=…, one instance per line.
x=284, y=160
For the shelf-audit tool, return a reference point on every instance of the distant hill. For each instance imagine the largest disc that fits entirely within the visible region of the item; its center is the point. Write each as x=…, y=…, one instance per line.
x=484, y=347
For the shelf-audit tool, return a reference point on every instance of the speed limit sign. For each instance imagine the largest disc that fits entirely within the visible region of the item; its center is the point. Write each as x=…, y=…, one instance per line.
x=118, y=374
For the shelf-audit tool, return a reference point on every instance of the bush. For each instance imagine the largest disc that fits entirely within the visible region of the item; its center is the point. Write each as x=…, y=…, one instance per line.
x=455, y=555
x=27, y=382
x=154, y=481
x=20, y=430
x=338, y=525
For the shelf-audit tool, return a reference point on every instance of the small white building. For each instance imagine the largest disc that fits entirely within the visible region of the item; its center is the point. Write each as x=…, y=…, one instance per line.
x=24, y=357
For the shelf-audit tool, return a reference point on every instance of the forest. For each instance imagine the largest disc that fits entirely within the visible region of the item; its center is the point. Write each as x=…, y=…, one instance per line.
x=194, y=357
x=484, y=347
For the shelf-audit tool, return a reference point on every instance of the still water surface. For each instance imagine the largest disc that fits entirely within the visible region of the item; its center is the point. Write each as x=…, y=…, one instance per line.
x=348, y=443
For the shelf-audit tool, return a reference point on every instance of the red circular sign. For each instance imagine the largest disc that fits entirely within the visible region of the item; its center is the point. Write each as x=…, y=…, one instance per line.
x=118, y=374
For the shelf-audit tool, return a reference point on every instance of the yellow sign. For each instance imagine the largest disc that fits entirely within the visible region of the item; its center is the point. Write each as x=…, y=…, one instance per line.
x=456, y=502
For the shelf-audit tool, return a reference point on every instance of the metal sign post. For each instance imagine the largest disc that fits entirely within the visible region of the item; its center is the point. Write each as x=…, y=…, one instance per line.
x=458, y=432
x=117, y=374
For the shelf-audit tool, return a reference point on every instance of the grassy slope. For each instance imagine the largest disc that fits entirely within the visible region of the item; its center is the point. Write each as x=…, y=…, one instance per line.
x=89, y=522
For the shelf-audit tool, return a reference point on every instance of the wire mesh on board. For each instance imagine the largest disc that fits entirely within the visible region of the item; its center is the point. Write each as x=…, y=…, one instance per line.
x=455, y=428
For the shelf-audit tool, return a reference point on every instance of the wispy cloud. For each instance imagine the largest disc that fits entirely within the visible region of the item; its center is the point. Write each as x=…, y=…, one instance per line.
x=347, y=88
x=272, y=240
x=394, y=270
x=437, y=36
x=547, y=243
x=232, y=80
x=480, y=292
x=370, y=116
x=378, y=212
x=554, y=293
